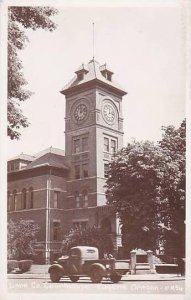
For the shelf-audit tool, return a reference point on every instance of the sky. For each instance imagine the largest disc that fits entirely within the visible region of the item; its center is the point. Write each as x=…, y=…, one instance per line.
x=143, y=46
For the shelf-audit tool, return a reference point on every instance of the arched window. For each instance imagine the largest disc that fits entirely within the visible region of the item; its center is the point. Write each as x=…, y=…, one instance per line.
x=8, y=201
x=24, y=199
x=77, y=199
x=31, y=198
x=85, y=198
x=14, y=201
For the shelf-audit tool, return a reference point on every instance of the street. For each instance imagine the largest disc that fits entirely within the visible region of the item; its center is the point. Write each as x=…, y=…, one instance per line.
x=42, y=284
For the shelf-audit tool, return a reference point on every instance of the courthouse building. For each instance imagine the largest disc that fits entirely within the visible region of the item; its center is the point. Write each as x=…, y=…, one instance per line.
x=60, y=189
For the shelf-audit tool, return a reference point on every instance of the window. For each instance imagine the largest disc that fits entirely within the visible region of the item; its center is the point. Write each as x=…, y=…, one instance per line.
x=109, y=76
x=84, y=144
x=8, y=201
x=80, y=76
x=106, y=169
x=24, y=199
x=77, y=172
x=77, y=146
x=14, y=201
x=106, y=144
x=113, y=146
x=80, y=224
x=85, y=170
x=77, y=199
x=31, y=198
x=56, y=199
x=56, y=231
x=85, y=198
x=80, y=144
x=23, y=165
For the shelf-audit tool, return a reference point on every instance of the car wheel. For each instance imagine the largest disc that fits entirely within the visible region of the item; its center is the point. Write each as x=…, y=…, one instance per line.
x=55, y=275
x=115, y=278
x=96, y=275
x=74, y=278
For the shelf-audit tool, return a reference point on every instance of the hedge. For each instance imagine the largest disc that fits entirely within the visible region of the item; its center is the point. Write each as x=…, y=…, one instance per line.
x=25, y=265
x=11, y=265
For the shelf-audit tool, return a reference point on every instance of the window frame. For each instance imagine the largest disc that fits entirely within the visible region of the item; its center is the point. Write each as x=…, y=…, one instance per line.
x=14, y=201
x=76, y=146
x=106, y=144
x=106, y=169
x=57, y=199
x=77, y=199
x=85, y=198
x=31, y=198
x=84, y=144
x=24, y=199
x=85, y=170
x=77, y=172
x=56, y=231
x=113, y=148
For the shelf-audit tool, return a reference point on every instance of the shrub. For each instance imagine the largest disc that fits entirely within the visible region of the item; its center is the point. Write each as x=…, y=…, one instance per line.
x=21, y=235
x=90, y=236
x=11, y=265
x=25, y=265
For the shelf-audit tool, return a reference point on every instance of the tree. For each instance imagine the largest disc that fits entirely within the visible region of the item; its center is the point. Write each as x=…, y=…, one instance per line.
x=173, y=145
x=90, y=236
x=146, y=186
x=20, y=236
x=132, y=188
x=20, y=18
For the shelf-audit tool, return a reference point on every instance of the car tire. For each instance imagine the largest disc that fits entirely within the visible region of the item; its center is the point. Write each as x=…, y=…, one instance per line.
x=115, y=278
x=96, y=275
x=74, y=278
x=55, y=275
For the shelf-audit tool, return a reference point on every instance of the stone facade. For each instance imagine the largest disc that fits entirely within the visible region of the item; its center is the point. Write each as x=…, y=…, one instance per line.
x=63, y=190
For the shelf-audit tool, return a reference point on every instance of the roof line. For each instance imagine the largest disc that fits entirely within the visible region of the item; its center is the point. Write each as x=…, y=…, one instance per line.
x=76, y=87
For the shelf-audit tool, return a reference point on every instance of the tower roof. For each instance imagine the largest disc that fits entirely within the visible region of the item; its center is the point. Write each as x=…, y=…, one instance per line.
x=93, y=72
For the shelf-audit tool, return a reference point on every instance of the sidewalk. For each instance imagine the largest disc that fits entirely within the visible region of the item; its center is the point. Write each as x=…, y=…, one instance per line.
x=38, y=269
x=41, y=271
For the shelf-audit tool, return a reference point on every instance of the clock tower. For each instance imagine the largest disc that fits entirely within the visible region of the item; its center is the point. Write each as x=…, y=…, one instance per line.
x=93, y=133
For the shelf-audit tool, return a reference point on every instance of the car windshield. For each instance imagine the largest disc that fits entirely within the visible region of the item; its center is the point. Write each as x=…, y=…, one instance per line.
x=74, y=252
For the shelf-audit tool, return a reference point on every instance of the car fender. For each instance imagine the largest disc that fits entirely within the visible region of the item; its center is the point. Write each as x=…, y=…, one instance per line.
x=98, y=266
x=56, y=267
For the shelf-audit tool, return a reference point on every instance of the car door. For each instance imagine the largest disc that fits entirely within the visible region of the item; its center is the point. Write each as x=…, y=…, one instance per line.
x=75, y=261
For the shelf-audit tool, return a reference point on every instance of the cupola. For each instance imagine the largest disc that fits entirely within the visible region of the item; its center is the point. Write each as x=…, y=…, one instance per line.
x=81, y=72
x=106, y=72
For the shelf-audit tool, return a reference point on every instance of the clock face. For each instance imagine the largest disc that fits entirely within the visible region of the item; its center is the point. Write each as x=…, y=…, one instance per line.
x=80, y=112
x=109, y=113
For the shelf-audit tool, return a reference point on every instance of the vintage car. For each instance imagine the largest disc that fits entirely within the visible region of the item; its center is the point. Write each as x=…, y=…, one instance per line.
x=84, y=261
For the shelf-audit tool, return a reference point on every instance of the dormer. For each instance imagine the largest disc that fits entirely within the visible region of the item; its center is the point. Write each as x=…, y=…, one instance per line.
x=81, y=72
x=106, y=72
x=19, y=162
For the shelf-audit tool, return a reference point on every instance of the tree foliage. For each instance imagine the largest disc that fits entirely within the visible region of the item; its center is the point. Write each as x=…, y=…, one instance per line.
x=131, y=188
x=173, y=145
x=90, y=236
x=20, y=235
x=146, y=185
x=19, y=19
